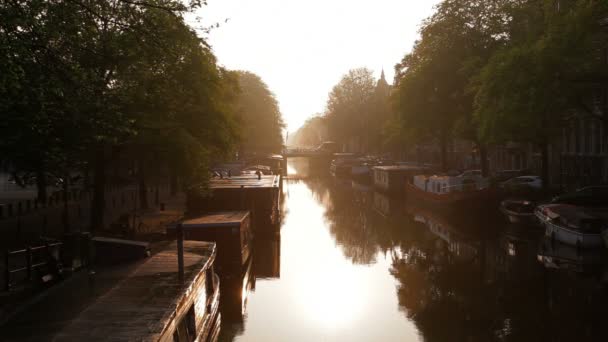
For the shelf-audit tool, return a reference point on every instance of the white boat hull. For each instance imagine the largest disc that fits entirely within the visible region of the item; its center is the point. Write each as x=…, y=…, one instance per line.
x=571, y=237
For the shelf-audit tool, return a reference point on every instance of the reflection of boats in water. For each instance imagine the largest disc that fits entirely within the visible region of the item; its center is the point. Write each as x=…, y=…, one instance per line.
x=553, y=254
x=387, y=205
x=459, y=242
x=151, y=305
x=235, y=290
x=267, y=258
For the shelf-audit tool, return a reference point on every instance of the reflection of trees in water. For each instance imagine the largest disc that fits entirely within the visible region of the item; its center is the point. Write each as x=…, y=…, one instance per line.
x=502, y=293
x=360, y=232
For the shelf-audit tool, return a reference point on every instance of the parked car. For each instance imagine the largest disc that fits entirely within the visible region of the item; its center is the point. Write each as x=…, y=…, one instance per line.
x=590, y=196
x=504, y=175
x=523, y=182
x=471, y=174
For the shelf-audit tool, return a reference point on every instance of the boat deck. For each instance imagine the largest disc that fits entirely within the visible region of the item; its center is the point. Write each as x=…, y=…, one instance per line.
x=245, y=181
x=141, y=306
x=219, y=219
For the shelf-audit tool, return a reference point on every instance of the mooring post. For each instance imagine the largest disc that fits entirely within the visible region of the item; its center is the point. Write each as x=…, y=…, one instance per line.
x=180, y=252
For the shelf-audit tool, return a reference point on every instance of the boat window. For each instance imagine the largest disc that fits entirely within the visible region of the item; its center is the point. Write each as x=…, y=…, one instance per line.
x=186, y=328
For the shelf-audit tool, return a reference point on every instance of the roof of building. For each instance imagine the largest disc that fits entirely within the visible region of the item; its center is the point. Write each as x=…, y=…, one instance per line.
x=141, y=307
x=245, y=181
x=219, y=219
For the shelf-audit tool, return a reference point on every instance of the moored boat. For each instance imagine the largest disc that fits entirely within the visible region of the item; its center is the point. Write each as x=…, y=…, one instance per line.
x=341, y=165
x=392, y=178
x=155, y=303
x=578, y=226
x=519, y=212
x=230, y=230
x=452, y=192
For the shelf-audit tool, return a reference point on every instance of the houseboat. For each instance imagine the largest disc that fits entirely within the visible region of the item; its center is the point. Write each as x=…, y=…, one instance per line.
x=154, y=304
x=393, y=178
x=258, y=194
x=519, y=212
x=577, y=226
x=230, y=230
x=453, y=192
x=342, y=164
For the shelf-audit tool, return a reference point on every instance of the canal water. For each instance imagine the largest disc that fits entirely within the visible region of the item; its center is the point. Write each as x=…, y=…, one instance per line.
x=353, y=264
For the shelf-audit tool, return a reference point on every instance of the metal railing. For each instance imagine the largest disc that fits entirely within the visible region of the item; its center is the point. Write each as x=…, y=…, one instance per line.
x=34, y=257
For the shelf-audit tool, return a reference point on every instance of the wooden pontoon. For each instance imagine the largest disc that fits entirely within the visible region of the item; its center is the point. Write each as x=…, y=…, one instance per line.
x=258, y=195
x=152, y=304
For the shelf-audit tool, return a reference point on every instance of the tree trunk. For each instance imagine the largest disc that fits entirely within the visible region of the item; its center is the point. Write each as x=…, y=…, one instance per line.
x=99, y=185
x=173, y=182
x=443, y=145
x=143, y=191
x=544, y=171
x=483, y=155
x=41, y=185
x=66, y=212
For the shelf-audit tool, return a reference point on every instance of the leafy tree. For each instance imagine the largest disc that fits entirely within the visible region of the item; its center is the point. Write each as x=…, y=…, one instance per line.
x=538, y=80
x=349, y=108
x=312, y=133
x=260, y=120
x=86, y=85
x=433, y=81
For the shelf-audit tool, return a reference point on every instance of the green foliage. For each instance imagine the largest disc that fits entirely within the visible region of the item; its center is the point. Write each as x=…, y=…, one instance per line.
x=79, y=78
x=311, y=134
x=260, y=120
x=349, y=107
x=528, y=88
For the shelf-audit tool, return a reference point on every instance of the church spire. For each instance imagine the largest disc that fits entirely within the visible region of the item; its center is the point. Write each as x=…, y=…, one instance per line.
x=382, y=75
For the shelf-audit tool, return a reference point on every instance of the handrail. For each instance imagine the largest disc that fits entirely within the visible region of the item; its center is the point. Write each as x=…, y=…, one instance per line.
x=29, y=260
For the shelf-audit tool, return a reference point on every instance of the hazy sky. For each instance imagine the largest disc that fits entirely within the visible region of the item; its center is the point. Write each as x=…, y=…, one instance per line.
x=301, y=49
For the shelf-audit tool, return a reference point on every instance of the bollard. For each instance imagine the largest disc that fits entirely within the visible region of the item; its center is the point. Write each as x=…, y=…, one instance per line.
x=19, y=208
x=1, y=211
x=10, y=210
x=28, y=205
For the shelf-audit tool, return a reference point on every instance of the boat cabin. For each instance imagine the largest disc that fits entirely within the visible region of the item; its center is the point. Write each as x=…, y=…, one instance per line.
x=257, y=194
x=230, y=230
x=152, y=304
x=393, y=178
x=447, y=184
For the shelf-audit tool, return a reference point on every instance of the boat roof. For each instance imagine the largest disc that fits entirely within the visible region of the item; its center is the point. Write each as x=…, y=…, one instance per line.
x=141, y=307
x=245, y=181
x=400, y=168
x=219, y=219
x=274, y=156
x=572, y=213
